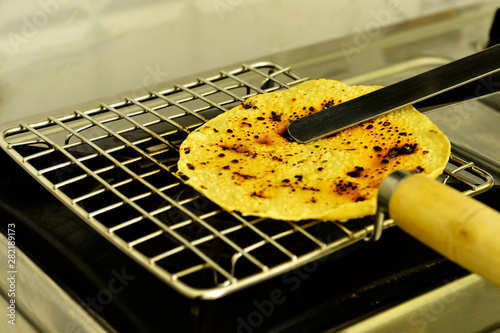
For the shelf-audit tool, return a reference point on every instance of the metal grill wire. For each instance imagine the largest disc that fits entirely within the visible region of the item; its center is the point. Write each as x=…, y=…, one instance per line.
x=115, y=166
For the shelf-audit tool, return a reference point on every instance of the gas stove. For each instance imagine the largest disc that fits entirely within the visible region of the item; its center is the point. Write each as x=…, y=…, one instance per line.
x=94, y=243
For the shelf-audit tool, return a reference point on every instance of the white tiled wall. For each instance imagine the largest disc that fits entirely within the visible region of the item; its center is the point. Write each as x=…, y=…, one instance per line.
x=58, y=53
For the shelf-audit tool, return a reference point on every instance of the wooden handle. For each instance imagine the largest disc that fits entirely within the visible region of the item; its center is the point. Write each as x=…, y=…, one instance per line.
x=462, y=229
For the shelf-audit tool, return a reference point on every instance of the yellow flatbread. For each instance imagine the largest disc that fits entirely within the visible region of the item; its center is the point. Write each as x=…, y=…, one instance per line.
x=243, y=161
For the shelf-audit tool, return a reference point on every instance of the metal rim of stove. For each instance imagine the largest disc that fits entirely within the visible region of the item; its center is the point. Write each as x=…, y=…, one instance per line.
x=193, y=104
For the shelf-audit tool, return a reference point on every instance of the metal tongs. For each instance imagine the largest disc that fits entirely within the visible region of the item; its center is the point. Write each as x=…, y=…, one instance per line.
x=461, y=228
x=458, y=81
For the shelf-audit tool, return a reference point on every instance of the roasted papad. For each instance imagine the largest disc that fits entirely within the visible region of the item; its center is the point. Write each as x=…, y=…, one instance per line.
x=243, y=160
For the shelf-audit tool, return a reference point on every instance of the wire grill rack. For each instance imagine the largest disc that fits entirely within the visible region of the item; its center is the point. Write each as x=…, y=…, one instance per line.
x=115, y=166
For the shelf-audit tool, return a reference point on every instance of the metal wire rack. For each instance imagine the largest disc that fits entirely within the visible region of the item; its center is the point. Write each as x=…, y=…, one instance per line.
x=115, y=166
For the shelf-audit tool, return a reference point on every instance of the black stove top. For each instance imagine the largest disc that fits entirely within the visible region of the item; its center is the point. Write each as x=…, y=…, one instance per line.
x=330, y=293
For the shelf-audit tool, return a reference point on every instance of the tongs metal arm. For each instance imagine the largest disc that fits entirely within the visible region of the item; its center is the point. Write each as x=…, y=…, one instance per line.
x=468, y=78
x=483, y=87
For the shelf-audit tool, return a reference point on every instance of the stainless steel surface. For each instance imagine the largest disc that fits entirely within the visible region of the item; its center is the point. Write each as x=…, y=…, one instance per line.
x=125, y=155
x=443, y=85
x=469, y=304
x=474, y=130
x=41, y=304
